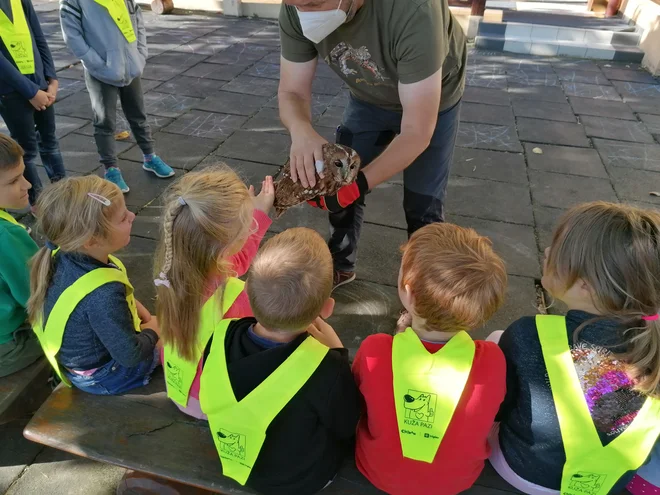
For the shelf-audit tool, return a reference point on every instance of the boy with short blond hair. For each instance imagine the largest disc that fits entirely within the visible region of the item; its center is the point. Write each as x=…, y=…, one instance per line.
x=289, y=286
x=18, y=344
x=446, y=388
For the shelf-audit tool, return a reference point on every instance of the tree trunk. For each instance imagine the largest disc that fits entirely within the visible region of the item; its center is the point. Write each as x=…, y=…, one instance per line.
x=160, y=7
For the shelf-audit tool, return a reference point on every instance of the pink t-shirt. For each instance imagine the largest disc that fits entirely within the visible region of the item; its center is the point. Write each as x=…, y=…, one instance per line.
x=240, y=309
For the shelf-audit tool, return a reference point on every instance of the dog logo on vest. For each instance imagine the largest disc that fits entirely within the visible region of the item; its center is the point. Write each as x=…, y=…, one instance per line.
x=588, y=483
x=420, y=405
x=174, y=376
x=232, y=444
x=19, y=49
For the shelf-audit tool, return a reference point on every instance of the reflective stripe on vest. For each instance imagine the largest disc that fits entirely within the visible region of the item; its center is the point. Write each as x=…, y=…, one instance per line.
x=6, y=216
x=51, y=336
x=119, y=13
x=591, y=468
x=179, y=372
x=17, y=38
x=239, y=428
x=427, y=388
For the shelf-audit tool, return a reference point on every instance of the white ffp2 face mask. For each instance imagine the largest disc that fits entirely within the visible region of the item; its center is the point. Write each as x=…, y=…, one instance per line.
x=317, y=25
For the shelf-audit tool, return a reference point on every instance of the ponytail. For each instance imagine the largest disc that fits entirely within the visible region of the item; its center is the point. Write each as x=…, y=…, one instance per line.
x=643, y=357
x=40, y=275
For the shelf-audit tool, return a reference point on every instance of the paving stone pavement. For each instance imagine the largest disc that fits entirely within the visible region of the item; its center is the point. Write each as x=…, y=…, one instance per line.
x=210, y=91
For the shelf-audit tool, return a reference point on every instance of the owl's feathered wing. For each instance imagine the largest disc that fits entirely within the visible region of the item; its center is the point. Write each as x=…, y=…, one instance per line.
x=289, y=193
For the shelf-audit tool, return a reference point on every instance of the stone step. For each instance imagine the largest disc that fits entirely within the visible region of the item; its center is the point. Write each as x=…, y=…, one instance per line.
x=557, y=47
x=618, y=35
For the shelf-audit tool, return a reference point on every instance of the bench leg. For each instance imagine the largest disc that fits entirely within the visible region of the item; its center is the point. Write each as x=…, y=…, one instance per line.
x=136, y=483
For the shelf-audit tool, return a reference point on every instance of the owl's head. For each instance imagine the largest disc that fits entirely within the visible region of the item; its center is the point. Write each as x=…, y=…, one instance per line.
x=342, y=162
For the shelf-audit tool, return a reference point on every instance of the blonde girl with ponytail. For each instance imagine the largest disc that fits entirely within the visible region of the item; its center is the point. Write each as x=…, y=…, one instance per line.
x=604, y=265
x=94, y=332
x=212, y=227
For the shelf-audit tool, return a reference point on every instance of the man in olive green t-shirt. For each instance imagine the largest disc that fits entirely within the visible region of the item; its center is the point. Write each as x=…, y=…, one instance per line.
x=404, y=62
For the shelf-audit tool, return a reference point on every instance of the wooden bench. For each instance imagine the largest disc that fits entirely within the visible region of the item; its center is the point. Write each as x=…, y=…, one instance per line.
x=144, y=431
x=24, y=391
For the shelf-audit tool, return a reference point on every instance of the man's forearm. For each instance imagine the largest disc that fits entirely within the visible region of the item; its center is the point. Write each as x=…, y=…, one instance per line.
x=401, y=152
x=295, y=111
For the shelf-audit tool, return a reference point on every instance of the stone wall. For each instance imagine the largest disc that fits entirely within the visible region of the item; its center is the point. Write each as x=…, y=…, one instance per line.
x=646, y=14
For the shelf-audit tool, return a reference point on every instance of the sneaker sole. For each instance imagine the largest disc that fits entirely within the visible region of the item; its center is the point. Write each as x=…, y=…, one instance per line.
x=156, y=173
x=344, y=282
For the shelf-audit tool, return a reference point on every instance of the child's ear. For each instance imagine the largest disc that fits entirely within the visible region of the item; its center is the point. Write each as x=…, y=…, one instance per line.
x=328, y=308
x=406, y=296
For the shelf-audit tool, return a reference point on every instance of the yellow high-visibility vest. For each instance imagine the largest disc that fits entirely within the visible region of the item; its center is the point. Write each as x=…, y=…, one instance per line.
x=427, y=388
x=50, y=336
x=179, y=372
x=6, y=216
x=239, y=428
x=591, y=468
x=119, y=13
x=17, y=38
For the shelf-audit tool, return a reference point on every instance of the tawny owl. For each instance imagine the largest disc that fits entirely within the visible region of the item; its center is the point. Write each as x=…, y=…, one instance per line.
x=342, y=165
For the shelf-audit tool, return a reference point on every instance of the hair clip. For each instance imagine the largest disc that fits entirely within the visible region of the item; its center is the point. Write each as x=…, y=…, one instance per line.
x=50, y=245
x=162, y=280
x=651, y=317
x=101, y=199
x=181, y=201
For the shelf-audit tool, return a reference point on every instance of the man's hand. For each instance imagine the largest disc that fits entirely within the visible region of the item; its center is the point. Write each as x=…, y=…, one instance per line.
x=346, y=196
x=325, y=334
x=53, y=86
x=306, y=150
x=40, y=101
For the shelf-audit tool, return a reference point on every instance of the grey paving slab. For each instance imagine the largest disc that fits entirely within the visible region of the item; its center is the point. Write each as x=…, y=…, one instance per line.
x=214, y=71
x=486, y=114
x=198, y=87
x=528, y=64
x=520, y=301
x=233, y=103
x=264, y=69
x=546, y=131
x=320, y=103
x=77, y=72
x=378, y=257
x=516, y=244
x=652, y=123
x=162, y=72
x=635, y=185
x=566, y=160
x=487, y=96
x=207, y=45
x=64, y=58
x=67, y=87
x=489, y=200
x=66, y=125
x=16, y=454
x=263, y=147
x=576, y=64
x=241, y=54
x=645, y=106
x=491, y=165
x=276, y=58
x=492, y=137
x=486, y=77
x=546, y=219
x=252, y=85
x=538, y=93
x=155, y=122
x=327, y=86
x=168, y=105
x=620, y=130
x=582, y=76
x=332, y=117
x=183, y=152
x=144, y=186
x=177, y=59
x=214, y=126
x=638, y=92
x=341, y=99
x=385, y=206
x=527, y=78
x=138, y=257
x=629, y=155
x=601, y=108
x=76, y=105
x=252, y=173
x=80, y=155
x=266, y=120
x=640, y=76
x=563, y=191
x=59, y=473
x=302, y=215
x=591, y=91
x=147, y=223
x=547, y=110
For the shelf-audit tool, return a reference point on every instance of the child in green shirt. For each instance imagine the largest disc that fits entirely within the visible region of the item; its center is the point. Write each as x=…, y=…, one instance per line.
x=18, y=344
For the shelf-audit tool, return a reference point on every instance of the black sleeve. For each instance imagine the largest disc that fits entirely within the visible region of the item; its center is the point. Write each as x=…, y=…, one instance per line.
x=509, y=343
x=341, y=411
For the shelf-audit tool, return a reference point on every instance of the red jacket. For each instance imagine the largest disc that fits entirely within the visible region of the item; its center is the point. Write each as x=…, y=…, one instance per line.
x=460, y=457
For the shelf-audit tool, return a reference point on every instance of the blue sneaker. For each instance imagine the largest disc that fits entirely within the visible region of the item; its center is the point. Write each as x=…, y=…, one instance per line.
x=158, y=167
x=113, y=174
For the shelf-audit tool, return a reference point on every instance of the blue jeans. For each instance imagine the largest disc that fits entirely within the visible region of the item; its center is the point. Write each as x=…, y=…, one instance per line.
x=35, y=132
x=113, y=378
x=369, y=129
